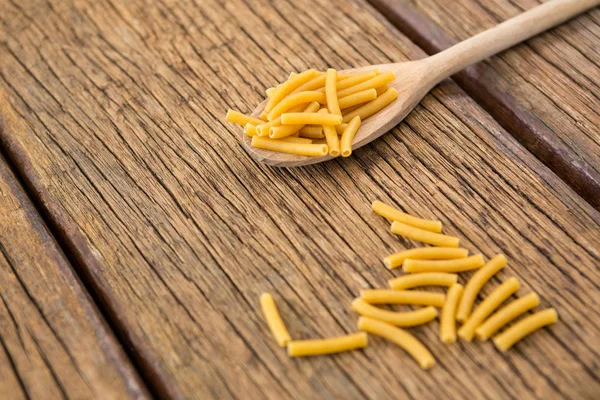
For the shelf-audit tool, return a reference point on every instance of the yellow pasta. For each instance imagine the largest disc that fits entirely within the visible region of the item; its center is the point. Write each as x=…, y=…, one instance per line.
x=425, y=253
x=241, y=119
x=475, y=284
x=303, y=149
x=373, y=106
x=424, y=236
x=379, y=80
x=312, y=132
x=457, y=265
x=415, y=297
x=381, y=89
x=277, y=132
x=487, y=306
x=293, y=100
x=447, y=318
x=331, y=137
x=506, y=314
x=274, y=321
x=393, y=214
x=400, y=337
x=357, y=78
x=315, y=347
x=340, y=128
x=269, y=92
x=310, y=118
x=407, y=318
x=526, y=326
x=287, y=87
x=424, y=279
x=348, y=136
x=294, y=139
x=250, y=129
x=331, y=92
x=357, y=98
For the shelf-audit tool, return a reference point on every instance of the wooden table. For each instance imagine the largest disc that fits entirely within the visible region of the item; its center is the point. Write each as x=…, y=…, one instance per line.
x=136, y=235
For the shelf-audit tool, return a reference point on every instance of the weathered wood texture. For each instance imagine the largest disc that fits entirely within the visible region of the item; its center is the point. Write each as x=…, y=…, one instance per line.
x=181, y=231
x=546, y=92
x=53, y=342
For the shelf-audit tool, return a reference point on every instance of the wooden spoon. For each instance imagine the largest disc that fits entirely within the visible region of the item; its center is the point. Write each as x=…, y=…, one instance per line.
x=414, y=79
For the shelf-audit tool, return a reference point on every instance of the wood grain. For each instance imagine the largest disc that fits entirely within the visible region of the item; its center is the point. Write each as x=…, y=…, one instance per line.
x=544, y=92
x=180, y=230
x=53, y=342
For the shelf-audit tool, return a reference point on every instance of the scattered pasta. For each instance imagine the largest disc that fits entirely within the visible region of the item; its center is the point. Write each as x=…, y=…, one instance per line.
x=424, y=236
x=526, y=326
x=423, y=279
x=457, y=265
x=487, y=307
x=400, y=337
x=506, y=314
x=315, y=347
x=425, y=253
x=348, y=98
x=393, y=214
x=415, y=297
x=407, y=318
x=475, y=284
x=274, y=321
x=448, y=316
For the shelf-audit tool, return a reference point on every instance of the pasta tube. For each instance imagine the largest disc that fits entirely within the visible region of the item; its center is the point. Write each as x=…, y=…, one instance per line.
x=340, y=129
x=408, y=318
x=373, y=106
x=379, y=80
x=310, y=118
x=312, y=132
x=475, y=284
x=331, y=137
x=348, y=136
x=458, y=265
x=357, y=98
x=293, y=100
x=331, y=92
x=416, y=297
x=487, y=306
x=447, y=318
x=277, y=132
x=506, y=314
x=394, y=214
x=400, y=337
x=241, y=119
x=423, y=279
x=303, y=149
x=274, y=321
x=526, y=326
x=250, y=129
x=355, y=79
x=424, y=236
x=425, y=253
x=315, y=347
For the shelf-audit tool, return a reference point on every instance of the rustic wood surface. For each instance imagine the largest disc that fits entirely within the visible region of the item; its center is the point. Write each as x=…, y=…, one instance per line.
x=545, y=92
x=53, y=342
x=179, y=231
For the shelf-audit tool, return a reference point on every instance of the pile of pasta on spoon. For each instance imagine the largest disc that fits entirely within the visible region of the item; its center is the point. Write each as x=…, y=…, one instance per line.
x=317, y=113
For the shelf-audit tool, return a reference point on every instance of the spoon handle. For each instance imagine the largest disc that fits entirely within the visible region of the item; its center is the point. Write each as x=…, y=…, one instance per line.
x=506, y=34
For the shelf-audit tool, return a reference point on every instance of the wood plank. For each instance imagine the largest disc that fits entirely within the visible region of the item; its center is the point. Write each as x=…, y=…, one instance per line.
x=545, y=92
x=181, y=231
x=53, y=342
